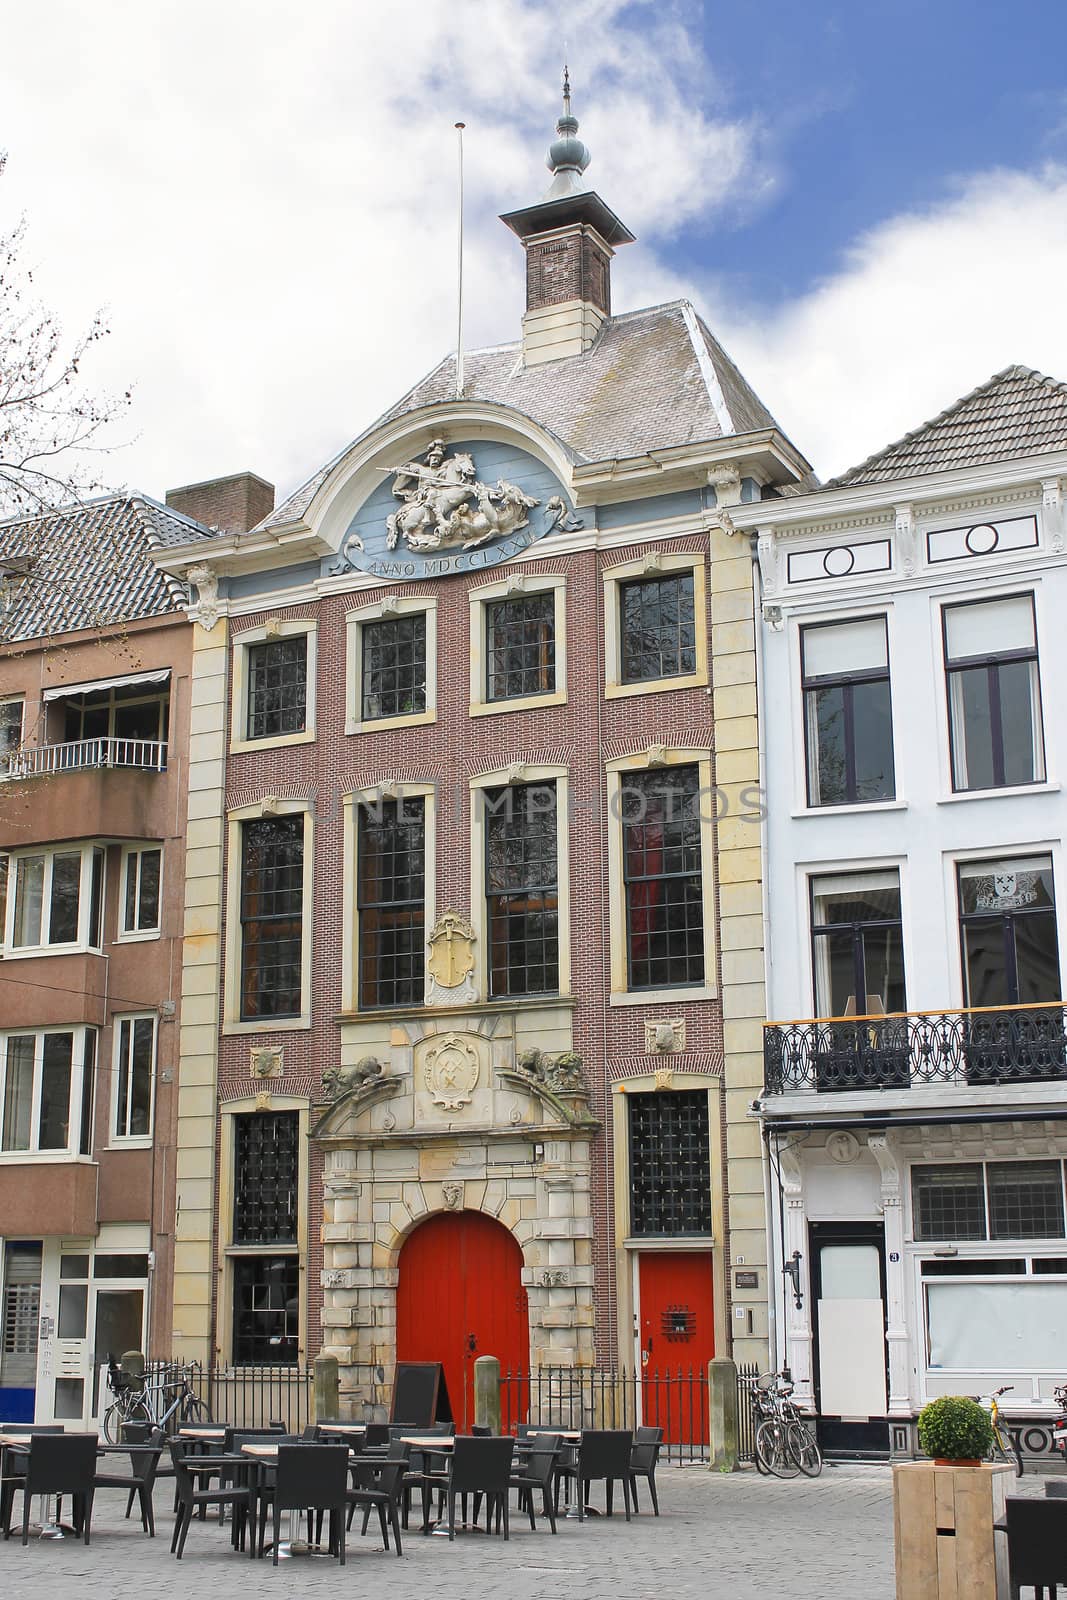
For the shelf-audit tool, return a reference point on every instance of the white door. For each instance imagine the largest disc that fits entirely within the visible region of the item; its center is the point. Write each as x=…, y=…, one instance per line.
x=851, y=1316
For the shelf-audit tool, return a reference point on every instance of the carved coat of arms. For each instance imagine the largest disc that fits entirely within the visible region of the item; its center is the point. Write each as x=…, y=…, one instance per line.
x=445, y=506
x=451, y=958
x=451, y=1070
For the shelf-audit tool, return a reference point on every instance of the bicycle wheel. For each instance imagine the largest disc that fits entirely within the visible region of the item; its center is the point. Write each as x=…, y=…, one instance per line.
x=772, y=1446
x=1007, y=1450
x=761, y=1466
x=195, y=1414
x=111, y=1425
x=805, y=1449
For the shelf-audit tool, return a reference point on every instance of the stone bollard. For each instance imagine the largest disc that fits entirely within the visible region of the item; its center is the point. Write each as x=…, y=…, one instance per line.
x=327, y=1387
x=487, y=1393
x=722, y=1414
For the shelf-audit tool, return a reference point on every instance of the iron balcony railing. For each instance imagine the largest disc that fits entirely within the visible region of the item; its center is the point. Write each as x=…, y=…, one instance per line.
x=987, y=1045
x=48, y=759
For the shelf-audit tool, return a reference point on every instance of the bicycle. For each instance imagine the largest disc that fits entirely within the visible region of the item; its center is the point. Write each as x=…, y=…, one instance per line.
x=1005, y=1447
x=785, y=1440
x=133, y=1403
x=1059, y=1426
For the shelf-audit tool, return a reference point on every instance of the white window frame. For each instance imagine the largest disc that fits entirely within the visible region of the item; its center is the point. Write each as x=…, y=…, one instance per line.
x=517, y=586
x=275, y=628
x=621, y=994
x=79, y=1033
x=130, y=854
x=233, y=1022
x=427, y=793
x=13, y=952
x=650, y=566
x=389, y=606
x=132, y=1140
x=948, y=600
x=6, y=751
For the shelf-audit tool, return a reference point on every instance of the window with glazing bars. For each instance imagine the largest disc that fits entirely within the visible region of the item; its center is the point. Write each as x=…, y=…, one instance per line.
x=394, y=667
x=521, y=646
x=266, y=1309
x=391, y=852
x=989, y=1200
x=662, y=877
x=657, y=628
x=670, y=1155
x=277, y=687
x=265, y=1167
x=272, y=900
x=522, y=889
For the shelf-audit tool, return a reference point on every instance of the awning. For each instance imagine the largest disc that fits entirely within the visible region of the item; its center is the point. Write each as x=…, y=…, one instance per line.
x=67, y=689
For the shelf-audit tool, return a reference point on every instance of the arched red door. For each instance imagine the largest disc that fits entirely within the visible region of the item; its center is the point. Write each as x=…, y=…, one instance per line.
x=460, y=1296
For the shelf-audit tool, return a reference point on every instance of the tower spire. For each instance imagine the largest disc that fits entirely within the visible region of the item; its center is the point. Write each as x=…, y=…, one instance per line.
x=567, y=156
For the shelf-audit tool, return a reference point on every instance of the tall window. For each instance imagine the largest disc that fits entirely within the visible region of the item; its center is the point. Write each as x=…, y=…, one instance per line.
x=135, y=1066
x=394, y=667
x=1008, y=931
x=848, y=721
x=857, y=942
x=272, y=902
x=994, y=694
x=140, y=890
x=521, y=646
x=277, y=687
x=670, y=1152
x=56, y=898
x=391, y=855
x=10, y=733
x=662, y=875
x=47, y=1091
x=266, y=1284
x=657, y=618
x=522, y=888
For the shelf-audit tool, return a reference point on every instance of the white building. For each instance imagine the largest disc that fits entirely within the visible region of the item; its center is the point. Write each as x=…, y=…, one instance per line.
x=914, y=657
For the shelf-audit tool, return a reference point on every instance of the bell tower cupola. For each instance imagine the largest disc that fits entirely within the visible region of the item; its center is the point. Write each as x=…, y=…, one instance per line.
x=569, y=237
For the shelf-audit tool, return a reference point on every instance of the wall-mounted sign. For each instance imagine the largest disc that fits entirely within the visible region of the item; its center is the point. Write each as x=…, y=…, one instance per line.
x=746, y=1280
x=453, y=511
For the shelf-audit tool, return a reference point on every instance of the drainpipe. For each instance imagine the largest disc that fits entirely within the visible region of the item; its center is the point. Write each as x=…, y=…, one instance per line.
x=761, y=752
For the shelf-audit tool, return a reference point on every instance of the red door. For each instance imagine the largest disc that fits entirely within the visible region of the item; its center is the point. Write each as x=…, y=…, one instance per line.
x=460, y=1296
x=677, y=1325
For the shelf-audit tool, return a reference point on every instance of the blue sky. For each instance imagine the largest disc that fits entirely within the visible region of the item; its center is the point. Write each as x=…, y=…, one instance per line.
x=867, y=200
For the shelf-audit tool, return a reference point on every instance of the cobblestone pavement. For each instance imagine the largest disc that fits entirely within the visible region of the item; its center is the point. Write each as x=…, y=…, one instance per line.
x=739, y=1537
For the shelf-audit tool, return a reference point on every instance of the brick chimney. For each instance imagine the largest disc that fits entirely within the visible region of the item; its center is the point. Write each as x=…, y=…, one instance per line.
x=231, y=504
x=568, y=238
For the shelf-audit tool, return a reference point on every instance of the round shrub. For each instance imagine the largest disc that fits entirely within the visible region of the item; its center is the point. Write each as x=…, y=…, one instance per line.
x=955, y=1429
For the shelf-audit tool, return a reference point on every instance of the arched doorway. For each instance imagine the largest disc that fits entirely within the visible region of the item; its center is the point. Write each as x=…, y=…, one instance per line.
x=460, y=1296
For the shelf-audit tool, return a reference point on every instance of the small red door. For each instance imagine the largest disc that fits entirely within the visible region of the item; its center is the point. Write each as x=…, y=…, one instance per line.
x=677, y=1330
x=460, y=1296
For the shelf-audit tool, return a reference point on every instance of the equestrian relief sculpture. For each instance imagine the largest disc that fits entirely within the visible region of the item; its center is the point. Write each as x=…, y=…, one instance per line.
x=446, y=507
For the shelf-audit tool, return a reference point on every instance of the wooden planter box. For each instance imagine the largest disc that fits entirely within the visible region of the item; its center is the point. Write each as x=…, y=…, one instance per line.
x=943, y=1531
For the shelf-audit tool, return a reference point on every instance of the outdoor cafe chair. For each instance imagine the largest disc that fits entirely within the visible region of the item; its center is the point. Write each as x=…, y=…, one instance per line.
x=15, y=1460
x=603, y=1453
x=140, y=1480
x=379, y=1486
x=643, y=1459
x=536, y=1469
x=481, y=1466
x=187, y=1469
x=56, y=1464
x=1037, y=1545
x=311, y=1477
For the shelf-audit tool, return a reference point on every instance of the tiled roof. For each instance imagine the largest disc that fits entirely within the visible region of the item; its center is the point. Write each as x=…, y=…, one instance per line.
x=90, y=566
x=1019, y=412
x=653, y=379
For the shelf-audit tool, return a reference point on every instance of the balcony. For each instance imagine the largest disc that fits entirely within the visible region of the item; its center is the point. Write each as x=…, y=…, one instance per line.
x=92, y=789
x=987, y=1047
x=47, y=760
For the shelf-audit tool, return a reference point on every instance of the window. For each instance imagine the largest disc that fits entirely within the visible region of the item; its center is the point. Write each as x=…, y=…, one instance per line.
x=394, y=667
x=10, y=733
x=55, y=898
x=277, y=687
x=522, y=888
x=662, y=877
x=657, y=628
x=1008, y=932
x=857, y=944
x=994, y=695
x=135, y=1070
x=266, y=1283
x=989, y=1200
x=848, y=724
x=521, y=646
x=47, y=1091
x=142, y=874
x=132, y=711
x=271, y=911
x=670, y=1154
x=391, y=853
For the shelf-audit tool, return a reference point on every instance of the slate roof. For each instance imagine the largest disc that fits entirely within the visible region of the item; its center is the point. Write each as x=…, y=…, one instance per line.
x=653, y=379
x=90, y=566
x=1018, y=412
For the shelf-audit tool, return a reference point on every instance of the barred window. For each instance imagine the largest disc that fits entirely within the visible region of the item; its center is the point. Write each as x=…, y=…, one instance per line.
x=948, y=1202
x=272, y=902
x=394, y=667
x=277, y=687
x=521, y=646
x=662, y=877
x=265, y=1167
x=990, y=1200
x=391, y=852
x=658, y=628
x=670, y=1156
x=522, y=884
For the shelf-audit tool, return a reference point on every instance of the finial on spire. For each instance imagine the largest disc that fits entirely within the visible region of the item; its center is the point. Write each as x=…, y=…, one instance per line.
x=566, y=90
x=567, y=156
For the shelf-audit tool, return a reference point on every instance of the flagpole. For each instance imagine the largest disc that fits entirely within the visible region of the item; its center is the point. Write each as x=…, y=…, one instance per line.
x=459, y=296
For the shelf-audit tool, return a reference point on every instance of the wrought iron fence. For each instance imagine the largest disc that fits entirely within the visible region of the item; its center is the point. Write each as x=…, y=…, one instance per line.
x=596, y=1397
x=255, y=1396
x=746, y=1412
x=1001, y=1044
